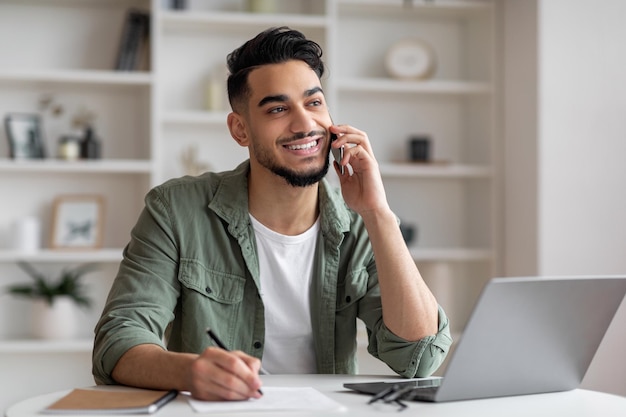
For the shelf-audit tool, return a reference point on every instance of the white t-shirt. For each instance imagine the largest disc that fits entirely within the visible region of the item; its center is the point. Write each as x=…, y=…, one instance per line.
x=286, y=269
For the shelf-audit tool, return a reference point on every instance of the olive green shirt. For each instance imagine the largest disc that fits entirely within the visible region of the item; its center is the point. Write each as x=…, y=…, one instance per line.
x=192, y=263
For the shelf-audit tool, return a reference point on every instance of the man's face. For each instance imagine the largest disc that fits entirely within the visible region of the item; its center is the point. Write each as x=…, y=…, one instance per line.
x=288, y=122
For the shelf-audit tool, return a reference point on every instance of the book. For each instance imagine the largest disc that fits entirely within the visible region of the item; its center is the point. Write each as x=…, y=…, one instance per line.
x=124, y=44
x=142, y=53
x=134, y=41
x=108, y=401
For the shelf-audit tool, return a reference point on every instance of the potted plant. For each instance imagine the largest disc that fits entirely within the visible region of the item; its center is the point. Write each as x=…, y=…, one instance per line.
x=54, y=315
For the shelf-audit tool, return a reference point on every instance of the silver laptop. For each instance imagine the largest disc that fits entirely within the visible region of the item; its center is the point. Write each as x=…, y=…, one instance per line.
x=525, y=336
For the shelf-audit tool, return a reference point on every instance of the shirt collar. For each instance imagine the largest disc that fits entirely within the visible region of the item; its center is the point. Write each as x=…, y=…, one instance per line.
x=230, y=202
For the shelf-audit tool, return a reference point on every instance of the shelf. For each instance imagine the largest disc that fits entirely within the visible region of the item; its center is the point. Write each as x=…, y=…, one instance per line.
x=84, y=3
x=46, y=346
x=196, y=117
x=451, y=255
x=223, y=20
x=388, y=85
x=425, y=8
x=49, y=255
x=111, y=166
x=434, y=170
x=151, y=116
x=93, y=77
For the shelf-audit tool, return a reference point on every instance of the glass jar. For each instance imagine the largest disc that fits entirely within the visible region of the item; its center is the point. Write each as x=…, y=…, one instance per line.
x=69, y=148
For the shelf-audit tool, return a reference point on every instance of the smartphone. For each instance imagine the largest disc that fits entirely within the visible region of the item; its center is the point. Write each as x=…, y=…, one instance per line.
x=337, y=152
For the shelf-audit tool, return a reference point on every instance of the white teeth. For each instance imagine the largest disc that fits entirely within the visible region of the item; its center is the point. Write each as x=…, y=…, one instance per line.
x=303, y=146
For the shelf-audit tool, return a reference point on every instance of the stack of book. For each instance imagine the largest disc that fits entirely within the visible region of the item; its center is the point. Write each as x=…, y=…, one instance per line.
x=134, y=43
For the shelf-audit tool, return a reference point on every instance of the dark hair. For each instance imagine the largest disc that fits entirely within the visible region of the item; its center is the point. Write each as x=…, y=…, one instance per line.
x=272, y=46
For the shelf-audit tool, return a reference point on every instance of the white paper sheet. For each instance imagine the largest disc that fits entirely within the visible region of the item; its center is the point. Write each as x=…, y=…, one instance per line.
x=274, y=399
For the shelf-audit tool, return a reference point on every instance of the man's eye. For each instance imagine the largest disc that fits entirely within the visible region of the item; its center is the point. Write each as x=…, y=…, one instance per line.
x=277, y=110
x=316, y=103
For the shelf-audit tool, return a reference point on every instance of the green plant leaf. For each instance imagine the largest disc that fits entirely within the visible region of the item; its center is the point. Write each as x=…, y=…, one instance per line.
x=68, y=284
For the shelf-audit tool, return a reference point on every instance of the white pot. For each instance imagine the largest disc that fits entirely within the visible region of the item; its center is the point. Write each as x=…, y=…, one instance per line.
x=56, y=322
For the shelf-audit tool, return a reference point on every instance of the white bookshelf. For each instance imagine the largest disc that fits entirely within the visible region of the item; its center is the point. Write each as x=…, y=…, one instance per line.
x=148, y=118
x=434, y=170
x=381, y=85
x=107, y=255
x=219, y=20
x=109, y=166
x=107, y=78
x=67, y=49
x=32, y=346
x=196, y=117
x=451, y=255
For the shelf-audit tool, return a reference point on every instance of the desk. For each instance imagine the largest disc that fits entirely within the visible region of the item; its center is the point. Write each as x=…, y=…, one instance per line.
x=576, y=403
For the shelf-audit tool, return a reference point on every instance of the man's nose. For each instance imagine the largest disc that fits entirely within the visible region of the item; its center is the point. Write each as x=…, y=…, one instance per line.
x=302, y=121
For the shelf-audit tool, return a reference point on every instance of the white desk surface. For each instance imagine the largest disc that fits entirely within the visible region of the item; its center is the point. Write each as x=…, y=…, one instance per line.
x=571, y=403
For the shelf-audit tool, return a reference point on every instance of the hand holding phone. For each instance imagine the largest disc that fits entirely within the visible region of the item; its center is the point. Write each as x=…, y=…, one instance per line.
x=337, y=152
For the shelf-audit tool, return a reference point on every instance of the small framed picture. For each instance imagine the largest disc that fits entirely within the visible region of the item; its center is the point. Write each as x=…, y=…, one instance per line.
x=24, y=134
x=77, y=222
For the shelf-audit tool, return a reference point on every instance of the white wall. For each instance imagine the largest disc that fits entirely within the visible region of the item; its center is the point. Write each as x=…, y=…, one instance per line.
x=582, y=148
x=583, y=136
x=578, y=152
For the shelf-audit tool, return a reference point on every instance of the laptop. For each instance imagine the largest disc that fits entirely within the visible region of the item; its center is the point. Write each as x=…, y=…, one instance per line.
x=525, y=336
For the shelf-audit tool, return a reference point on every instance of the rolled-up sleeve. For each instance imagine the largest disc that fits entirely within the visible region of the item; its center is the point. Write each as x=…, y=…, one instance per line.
x=143, y=297
x=412, y=359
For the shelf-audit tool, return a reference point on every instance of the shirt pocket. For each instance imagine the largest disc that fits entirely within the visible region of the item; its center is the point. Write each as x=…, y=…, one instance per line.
x=352, y=289
x=217, y=285
x=209, y=298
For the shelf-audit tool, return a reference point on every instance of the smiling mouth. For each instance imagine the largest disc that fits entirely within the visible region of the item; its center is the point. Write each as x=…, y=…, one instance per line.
x=303, y=146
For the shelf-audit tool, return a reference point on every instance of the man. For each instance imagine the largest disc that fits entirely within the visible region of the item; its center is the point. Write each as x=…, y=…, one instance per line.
x=268, y=255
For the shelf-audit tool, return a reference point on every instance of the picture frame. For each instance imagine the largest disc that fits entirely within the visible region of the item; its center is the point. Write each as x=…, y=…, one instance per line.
x=77, y=222
x=23, y=132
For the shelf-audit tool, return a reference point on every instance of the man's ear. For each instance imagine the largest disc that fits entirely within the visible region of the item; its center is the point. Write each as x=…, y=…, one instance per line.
x=237, y=127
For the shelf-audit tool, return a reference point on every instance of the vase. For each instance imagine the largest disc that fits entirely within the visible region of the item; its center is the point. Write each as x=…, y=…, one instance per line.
x=58, y=321
x=262, y=6
x=26, y=236
x=90, y=145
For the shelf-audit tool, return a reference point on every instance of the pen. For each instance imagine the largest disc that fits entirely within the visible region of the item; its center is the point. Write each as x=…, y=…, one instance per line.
x=383, y=393
x=221, y=345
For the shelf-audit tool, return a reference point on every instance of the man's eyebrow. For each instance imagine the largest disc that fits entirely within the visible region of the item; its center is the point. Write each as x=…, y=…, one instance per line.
x=312, y=91
x=281, y=98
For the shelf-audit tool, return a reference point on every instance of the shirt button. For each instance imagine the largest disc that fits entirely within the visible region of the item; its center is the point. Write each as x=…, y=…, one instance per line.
x=348, y=299
x=258, y=345
x=208, y=290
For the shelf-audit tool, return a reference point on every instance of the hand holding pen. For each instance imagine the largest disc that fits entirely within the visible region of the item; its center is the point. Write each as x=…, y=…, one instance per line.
x=218, y=374
x=221, y=345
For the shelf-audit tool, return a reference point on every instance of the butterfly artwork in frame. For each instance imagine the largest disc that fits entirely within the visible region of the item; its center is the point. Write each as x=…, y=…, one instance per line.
x=77, y=222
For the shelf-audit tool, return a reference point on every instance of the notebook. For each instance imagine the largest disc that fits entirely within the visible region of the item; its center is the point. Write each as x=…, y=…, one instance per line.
x=111, y=401
x=525, y=336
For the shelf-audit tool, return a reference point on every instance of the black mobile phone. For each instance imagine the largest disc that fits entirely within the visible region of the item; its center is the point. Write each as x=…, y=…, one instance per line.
x=337, y=152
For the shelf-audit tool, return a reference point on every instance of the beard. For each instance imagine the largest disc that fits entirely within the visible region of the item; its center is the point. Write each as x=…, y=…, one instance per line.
x=294, y=178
